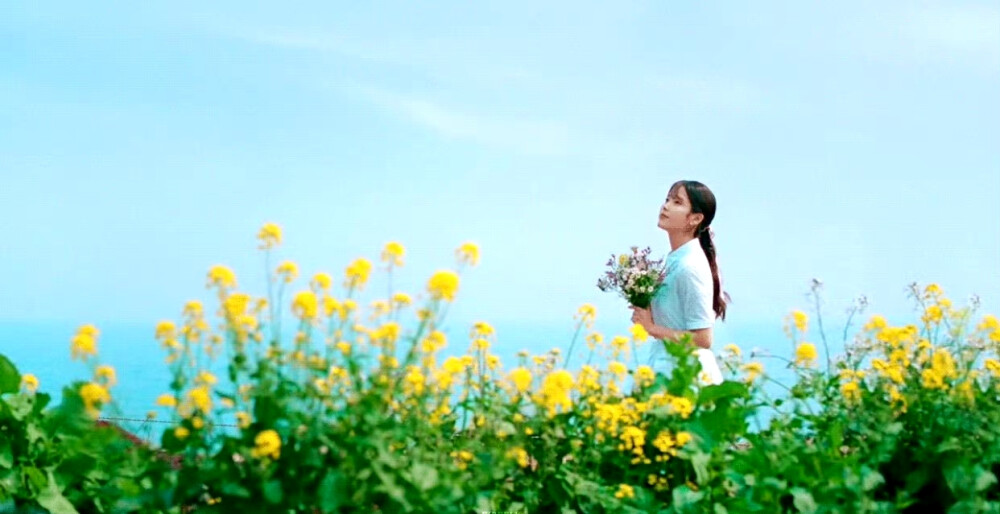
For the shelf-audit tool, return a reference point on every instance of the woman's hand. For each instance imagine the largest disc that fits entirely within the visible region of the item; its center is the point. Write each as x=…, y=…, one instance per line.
x=642, y=316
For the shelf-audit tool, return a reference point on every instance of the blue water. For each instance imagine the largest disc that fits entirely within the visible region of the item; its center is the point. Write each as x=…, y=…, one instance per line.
x=43, y=349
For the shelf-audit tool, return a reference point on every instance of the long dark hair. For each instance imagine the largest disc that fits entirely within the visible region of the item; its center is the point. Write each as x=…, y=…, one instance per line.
x=703, y=202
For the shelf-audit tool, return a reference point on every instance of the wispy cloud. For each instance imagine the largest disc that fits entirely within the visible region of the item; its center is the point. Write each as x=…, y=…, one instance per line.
x=534, y=136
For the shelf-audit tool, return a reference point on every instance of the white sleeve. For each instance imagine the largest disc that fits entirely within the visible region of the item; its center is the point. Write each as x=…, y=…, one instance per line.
x=696, y=297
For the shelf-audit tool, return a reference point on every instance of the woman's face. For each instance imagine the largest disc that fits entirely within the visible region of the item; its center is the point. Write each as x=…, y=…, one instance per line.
x=675, y=213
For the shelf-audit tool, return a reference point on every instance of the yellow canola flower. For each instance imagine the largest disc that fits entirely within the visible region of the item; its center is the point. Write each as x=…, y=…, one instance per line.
x=166, y=400
x=801, y=321
x=645, y=376
x=181, y=433
x=519, y=455
x=681, y=406
x=625, y=491
x=876, y=323
x=201, y=399
x=266, y=444
x=105, y=374
x=94, y=396
x=322, y=281
x=586, y=314
x=618, y=369
x=639, y=333
x=29, y=382
x=851, y=391
x=269, y=236
x=206, y=378
x=753, y=370
x=468, y=253
x=443, y=285
x=932, y=315
x=289, y=271
x=84, y=343
x=165, y=330
x=932, y=290
x=393, y=254
x=242, y=419
x=221, y=276
x=481, y=329
x=521, y=378
x=993, y=366
x=305, y=305
x=733, y=350
x=401, y=299
x=357, y=273
x=805, y=354
x=555, y=392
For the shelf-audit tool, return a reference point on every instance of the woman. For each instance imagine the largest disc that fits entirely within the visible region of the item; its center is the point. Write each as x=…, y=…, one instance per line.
x=692, y=295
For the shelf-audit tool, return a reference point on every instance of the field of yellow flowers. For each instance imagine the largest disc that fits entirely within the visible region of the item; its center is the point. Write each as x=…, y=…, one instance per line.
x=360, y=412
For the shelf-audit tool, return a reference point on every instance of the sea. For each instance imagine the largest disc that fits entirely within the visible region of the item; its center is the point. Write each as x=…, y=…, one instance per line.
x=42, y=348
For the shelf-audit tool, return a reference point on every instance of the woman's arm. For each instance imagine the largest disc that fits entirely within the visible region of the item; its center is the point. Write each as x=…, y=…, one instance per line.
x=702, y=337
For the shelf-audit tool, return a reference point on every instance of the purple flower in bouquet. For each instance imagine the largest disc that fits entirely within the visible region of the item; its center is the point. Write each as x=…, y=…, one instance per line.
x=634, y=276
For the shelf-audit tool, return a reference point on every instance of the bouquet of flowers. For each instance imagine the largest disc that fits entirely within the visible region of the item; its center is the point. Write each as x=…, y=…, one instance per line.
x=634, y=276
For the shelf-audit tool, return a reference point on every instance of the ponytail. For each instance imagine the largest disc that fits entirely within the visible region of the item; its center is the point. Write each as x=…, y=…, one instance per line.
x=719, y=298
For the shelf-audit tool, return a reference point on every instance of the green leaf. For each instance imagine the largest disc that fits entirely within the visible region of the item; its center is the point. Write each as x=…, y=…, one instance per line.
x=700, y=462
x=20, y=406
x=6, y=454
x=423, y=476
x=803, y=500
x=684, y=497
x=984, y=480
x=726, y=389
x=272, y=491
x=330, y=491
x=10, y=379
x=52, y=499
x=720, y=509
x=234, y=489
x=870, y=479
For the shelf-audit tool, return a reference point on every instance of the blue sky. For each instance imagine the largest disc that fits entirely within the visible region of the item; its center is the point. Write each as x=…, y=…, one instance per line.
x=140, y=144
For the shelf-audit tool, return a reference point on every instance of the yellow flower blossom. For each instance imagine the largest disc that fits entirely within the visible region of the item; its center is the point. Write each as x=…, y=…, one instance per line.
x=644, y=376
x=166, y=400
x=468, y=253
x=206, y=378
x=322, y=281
x=181, y=433
x=586, y=314
x=805, y=354
x=94, y=396
x=29, y=382
x=266, y=444
x=269, y=236
x=625, y=492
x=618, y=369
x=521, y=378
x=754, y=370
x=105, y=374
x=221, y=276
x=932, y=290
x=165, y=330
x=481, y=329
x=876, y=323
x=639, y=333
x=993, y=366
x=289, y=271
x=401, y=299
x=681, y=406
x=851, y=391
x=393, y=254
x=801, y=321
x=305, y=305
x=357, y=273
x=555, y=392
x=733, y=350
x=519, y=455
x=932, y=315
x=443, y=285
x=84, y=343
x=201, y=399
x=594, y=339
x=242, y=419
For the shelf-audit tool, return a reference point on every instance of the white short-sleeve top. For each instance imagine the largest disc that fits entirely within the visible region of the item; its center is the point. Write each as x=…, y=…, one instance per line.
x=685, y=300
